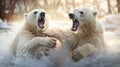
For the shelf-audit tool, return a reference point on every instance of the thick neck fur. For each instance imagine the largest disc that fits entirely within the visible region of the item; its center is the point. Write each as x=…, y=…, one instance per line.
x=87, y=30
x=33, y=29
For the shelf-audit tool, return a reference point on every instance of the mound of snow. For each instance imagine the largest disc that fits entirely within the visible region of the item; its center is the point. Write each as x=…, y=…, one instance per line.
x=111, y=22
x=3, y=25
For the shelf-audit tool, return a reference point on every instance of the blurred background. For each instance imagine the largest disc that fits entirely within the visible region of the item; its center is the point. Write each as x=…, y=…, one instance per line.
x=14, y=9
x=11, y=21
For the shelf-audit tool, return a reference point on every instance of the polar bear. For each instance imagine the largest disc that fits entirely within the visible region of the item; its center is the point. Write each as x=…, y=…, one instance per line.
x=31, y=38
x=88, y=31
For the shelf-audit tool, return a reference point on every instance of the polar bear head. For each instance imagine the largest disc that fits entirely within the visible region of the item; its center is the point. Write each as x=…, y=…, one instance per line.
x=82, y=16
x=36, y=18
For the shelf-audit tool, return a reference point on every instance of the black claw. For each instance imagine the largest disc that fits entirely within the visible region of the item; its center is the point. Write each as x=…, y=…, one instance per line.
x=76, y=56
x=53, y=40
x=46, y=54
x=46, y=49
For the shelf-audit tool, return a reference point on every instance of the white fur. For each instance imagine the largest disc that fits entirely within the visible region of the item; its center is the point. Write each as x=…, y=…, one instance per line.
x=31, y=38
x=89, y=37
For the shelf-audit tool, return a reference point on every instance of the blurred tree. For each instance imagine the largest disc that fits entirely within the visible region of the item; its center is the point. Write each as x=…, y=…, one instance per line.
x=73, y=1
x=2, y=9
x=118, y=5
x=7, y=8
x=67, y=5
x=10, y=7
x=109, y=7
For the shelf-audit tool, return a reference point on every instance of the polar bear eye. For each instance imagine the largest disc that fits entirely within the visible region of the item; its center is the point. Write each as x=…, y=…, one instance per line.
x=81, y=12
x=35, y=12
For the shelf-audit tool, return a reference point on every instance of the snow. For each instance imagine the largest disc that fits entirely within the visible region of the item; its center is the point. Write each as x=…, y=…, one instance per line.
x=59, y=57
x=3, y=25
x=111, y=21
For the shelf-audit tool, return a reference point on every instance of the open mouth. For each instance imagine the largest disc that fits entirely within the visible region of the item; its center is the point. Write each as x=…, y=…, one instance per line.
x=41, y=22
x=75, y=25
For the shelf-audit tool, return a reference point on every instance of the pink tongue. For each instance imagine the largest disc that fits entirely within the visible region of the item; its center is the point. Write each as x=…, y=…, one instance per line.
x=75, y=25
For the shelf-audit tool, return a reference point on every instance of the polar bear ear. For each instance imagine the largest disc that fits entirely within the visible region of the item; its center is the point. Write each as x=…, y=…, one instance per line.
x=95, y=13
x=25, y=15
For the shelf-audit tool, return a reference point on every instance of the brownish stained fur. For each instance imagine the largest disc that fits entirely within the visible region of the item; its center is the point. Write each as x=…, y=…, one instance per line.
x=88, y=33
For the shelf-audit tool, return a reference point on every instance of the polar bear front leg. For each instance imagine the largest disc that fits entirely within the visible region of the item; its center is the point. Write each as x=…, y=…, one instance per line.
x=56, y=33
x=38, y=46
x=41, y=42
x=83, y=51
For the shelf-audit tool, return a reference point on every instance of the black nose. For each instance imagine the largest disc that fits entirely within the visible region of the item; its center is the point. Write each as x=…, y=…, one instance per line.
x=71, y=15
x=42, y=14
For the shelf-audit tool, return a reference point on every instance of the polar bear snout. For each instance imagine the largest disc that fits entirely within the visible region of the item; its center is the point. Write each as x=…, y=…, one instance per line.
x=41, y=20
x=75, y=22
x=71, y=15
x=42, y=14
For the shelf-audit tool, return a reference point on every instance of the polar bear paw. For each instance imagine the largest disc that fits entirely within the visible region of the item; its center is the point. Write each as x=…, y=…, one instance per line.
x=76, y=55
x=51, y=42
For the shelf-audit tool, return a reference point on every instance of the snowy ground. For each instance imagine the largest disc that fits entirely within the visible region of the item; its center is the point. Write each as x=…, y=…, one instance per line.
x=106, y=58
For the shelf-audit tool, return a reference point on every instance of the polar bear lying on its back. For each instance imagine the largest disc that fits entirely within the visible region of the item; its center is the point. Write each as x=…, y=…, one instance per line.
x=89, y=33
x=31, y=37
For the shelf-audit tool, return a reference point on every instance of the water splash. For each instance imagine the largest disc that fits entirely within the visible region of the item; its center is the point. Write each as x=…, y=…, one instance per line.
x=59, y=56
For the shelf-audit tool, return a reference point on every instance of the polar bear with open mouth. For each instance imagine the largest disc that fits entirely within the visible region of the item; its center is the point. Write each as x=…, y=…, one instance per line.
x=89, y=33
x=31, y=38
